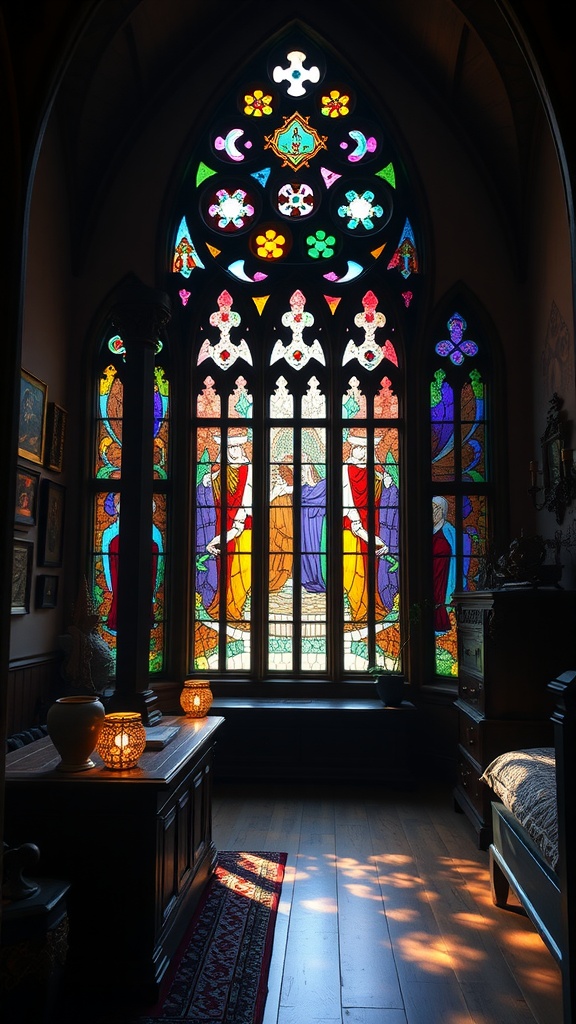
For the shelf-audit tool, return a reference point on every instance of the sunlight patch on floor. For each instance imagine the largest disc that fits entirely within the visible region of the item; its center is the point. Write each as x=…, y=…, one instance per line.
x=523, y=940
x=431, y=959
x=363, y=892
x=398, y=880
x=392, y=858
x=473, y=920
x=403, y=915
x=546, y=982
x=321, y=905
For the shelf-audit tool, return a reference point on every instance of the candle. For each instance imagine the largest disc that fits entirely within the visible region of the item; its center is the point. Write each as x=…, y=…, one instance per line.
x=533, y=472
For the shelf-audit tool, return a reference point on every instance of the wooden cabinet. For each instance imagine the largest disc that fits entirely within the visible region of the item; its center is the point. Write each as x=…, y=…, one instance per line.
x=135, y=845
x=511, y=643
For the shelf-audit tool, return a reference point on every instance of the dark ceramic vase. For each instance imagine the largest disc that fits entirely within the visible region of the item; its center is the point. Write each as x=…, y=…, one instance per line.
x=74, y=725
x=390, y=688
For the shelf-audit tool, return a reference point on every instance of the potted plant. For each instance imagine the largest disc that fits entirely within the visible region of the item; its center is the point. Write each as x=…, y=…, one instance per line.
x=389, y=678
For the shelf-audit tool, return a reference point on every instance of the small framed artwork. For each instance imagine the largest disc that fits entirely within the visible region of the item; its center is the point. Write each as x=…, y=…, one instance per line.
x=32, y=425
x=46, y=591
x=22, y=552
x=27, y=484
x=51, y=538
x=55, y=432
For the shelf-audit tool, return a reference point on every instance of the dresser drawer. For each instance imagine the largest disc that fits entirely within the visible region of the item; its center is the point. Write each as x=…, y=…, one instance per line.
x=471, y=691
x=484, y=739
x=471, y=651
x=468, y=780
x=470, y=736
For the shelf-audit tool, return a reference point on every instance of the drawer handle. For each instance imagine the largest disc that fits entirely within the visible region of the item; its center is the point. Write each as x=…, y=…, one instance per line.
x=473, y=653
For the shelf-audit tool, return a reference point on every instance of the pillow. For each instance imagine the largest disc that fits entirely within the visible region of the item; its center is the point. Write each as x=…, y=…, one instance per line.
x=525, y=782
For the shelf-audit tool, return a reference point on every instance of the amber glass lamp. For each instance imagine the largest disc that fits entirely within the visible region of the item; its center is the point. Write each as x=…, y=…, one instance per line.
x=122, y=739
x=196, y=698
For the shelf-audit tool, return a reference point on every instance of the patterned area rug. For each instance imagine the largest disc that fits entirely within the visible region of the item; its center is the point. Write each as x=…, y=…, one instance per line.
x=221, y=973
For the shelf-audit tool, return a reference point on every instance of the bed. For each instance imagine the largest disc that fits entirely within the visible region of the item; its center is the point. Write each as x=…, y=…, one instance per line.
x=533, y=849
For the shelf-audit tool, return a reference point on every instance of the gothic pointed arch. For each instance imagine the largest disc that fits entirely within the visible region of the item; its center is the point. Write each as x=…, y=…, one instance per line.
x=463, y=371
x=298, y=236
x=312, y=394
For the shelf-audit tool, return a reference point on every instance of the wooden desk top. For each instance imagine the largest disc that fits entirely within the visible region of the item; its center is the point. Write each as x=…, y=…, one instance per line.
x=38, y=761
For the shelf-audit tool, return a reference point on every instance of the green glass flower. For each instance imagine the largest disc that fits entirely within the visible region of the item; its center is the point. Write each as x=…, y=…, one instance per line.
x=321, y=245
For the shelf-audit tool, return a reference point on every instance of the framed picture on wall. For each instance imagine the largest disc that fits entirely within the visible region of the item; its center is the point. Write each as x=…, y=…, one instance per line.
x=27, y=484
x=55, y=433
x=22, y=553
x=32, y=424
x=51, y=539
x=46, y=591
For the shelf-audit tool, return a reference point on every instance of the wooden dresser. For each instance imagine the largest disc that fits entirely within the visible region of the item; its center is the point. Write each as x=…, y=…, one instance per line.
x=135, y=845
x=511, y=643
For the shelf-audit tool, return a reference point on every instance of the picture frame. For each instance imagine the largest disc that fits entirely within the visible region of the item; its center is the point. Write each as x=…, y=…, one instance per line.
x=22, y=554
x=27, y=487
x=32, y=423
x=55, y=435
x=46, y=591
x=51, y=533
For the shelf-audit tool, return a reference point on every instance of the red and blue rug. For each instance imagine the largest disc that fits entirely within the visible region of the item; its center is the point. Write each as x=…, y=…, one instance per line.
x=221, y=972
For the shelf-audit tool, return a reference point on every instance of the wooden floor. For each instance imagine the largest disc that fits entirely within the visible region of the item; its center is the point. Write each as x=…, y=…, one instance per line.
x=385, y=915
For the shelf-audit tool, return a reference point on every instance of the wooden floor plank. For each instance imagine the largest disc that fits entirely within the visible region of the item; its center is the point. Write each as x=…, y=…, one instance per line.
x=311, y=980
x=436, y=1002
x=515, y=957
x=419, y=948
x=367, y=980
x=472, y=942
x=284, y=830
x=392, y=877
x=370, y=1015
x=488, y=1003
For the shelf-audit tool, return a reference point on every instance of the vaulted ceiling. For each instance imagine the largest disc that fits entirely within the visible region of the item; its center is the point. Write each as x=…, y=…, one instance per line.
x=125, y=58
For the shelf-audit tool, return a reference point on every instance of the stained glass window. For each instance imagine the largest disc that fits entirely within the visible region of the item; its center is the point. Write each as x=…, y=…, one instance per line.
x=107, y=498
x=296, y=268
x=298, y=217
x=299, y=171
x=314, y=396
x=460, y=478
x=303, y=462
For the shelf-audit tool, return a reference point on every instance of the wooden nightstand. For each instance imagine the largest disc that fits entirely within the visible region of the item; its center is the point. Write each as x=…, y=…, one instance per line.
x=511, y=643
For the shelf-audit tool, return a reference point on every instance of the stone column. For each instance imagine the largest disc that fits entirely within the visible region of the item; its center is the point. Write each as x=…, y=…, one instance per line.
x=138, y=317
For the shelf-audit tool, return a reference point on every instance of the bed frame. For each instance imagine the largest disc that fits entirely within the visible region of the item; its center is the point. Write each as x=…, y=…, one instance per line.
x=548, y=897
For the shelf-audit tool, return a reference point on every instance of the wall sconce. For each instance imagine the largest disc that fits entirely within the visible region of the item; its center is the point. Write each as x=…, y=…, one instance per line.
x=534, y=489
x=196, y=698
x=122, y=739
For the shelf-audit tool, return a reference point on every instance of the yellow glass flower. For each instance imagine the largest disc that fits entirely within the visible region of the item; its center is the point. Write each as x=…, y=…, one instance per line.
x=335, y=104
x=270, y=245
x=257, y=104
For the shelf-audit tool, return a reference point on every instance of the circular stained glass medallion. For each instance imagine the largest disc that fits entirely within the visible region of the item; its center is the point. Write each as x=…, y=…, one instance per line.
x=230, y=208
x=296, y=200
